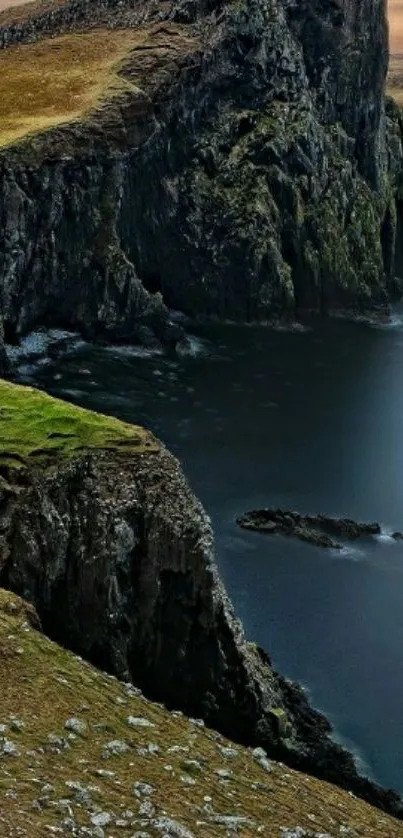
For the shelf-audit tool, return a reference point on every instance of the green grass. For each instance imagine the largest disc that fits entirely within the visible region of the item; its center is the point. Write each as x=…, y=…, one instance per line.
x=37, y=429
x=42, y=685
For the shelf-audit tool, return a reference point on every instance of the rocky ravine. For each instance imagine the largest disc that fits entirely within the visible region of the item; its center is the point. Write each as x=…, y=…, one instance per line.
x=102, y=760
x=246, y=178
x=118, y=557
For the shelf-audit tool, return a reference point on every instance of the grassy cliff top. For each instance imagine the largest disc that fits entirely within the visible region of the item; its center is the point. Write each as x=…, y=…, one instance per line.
x=73, y=76
x=59, y=80
x=80, y=749
x=36, y=428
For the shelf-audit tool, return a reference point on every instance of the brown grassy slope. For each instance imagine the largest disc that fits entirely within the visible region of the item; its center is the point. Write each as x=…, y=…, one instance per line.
x=394, y=86
x=55, y=775
x=395, y=16
x=16, y=12
x=59, y=80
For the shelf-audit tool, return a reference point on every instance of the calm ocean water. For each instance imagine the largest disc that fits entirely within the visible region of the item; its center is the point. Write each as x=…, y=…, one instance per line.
x=311, y=420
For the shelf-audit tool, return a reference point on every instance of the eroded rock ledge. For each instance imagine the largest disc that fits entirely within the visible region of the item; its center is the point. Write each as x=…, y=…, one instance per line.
x=118, y=557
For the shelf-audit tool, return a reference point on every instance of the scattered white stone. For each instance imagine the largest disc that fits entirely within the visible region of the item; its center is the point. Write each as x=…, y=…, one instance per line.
x=197, y=722
x=76, y=726
x=300, y=832
x=115, y=748
x=17, y=724
x=223, y=773
x=143, y=789
x=102, y=772
x=187, y=780
x=233, y=821
x=192, y=765
x=228, y=753
x=101, y=819
x=8, y=748
x=171, y=828
x=178, y=749
x=260, y=756
x=139, y=721
x=153, y=749
x=57, y=743
x=146, y=809
x=132, y=691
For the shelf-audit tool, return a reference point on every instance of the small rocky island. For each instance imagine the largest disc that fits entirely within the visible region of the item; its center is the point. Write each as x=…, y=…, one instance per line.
x=317, y=529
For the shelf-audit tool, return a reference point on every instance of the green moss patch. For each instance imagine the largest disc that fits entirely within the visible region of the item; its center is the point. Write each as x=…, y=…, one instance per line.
x=36, y=428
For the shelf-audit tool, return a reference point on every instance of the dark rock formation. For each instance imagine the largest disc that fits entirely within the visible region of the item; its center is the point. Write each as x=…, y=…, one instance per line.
x=245, y=179
x=317, y=529
x=4, y=362
x=117, y=555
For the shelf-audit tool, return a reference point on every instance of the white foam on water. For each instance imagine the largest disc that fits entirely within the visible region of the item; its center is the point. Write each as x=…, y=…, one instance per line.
x=385, y=538
x=35, y=346
x=131, y=351
x=192, y=347
x=395, y=322
x=354, y=554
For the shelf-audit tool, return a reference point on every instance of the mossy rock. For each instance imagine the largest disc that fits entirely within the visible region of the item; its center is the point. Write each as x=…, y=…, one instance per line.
x=281, y=722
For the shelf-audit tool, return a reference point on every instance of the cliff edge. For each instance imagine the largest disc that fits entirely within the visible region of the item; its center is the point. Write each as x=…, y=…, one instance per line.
x=226, y=159
x=99, y=529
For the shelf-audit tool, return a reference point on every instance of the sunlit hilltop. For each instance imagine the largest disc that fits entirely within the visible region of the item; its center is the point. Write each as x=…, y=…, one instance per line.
x=396, y=25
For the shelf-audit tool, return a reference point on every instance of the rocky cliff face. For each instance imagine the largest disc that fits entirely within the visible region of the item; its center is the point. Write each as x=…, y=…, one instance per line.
x=246, y=179
x=118, y=557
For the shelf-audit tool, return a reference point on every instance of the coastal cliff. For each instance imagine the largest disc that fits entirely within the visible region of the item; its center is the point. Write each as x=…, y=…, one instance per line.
x=242, y=172
x=99, y=529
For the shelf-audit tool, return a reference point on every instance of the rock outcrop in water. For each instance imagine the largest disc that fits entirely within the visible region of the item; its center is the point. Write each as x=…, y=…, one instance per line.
x=99, y=529
x=246, y=177
x=317, y=529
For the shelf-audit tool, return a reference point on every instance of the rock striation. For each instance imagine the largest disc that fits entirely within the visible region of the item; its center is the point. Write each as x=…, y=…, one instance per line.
x=246, y=178
x=99, y=529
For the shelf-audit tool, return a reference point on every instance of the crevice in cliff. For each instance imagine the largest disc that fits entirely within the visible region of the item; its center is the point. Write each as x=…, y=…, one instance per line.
x=152, y=281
